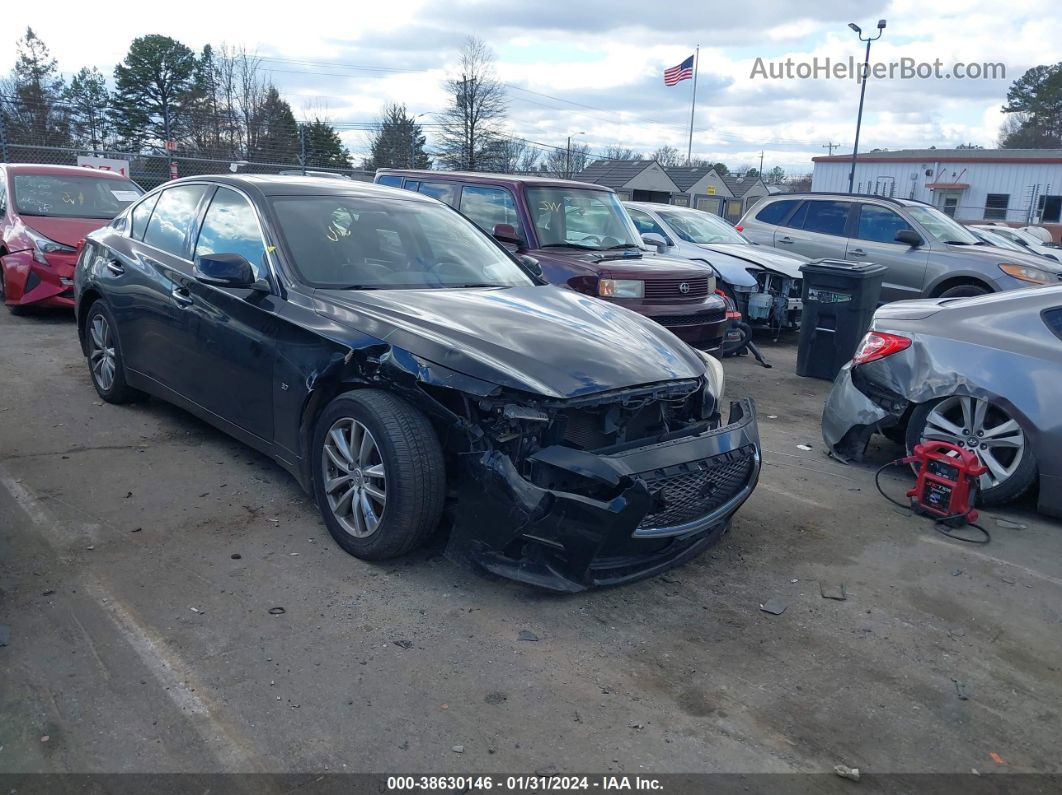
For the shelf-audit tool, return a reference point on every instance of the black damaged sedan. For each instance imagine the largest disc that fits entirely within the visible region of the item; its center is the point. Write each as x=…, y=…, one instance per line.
x=413, y=375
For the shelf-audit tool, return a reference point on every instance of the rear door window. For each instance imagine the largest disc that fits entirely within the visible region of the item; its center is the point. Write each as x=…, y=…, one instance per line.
x=879, y=224
x=443, y=191
x=488, y=206
x=774, y=212
x=174, y=217
x=389, y=179
x=826, y=217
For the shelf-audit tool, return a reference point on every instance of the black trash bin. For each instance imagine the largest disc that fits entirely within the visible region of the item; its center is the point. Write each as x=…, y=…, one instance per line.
x=839, y=301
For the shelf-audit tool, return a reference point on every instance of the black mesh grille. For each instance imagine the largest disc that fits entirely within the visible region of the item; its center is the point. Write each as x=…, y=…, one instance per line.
x=707, y=484
x=686, y=320
x=696, y=287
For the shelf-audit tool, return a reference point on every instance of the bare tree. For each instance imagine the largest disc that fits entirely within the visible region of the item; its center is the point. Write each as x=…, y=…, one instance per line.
x=668, y=156
x=469, y=127
x=619, y=153
x=566, y=164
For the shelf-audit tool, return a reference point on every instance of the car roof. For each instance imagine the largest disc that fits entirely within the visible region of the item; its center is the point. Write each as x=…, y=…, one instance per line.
x=493, y=178
x=44, y=169
x=278, y=185
x=656, y=206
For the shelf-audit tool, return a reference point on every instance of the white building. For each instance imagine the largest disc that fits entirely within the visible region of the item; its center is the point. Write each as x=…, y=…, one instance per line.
x=1019, y=186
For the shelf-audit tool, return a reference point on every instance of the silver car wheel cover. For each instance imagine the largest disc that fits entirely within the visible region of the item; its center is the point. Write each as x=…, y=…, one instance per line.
x=102, y=358
x=354, y=480
x=975, y=424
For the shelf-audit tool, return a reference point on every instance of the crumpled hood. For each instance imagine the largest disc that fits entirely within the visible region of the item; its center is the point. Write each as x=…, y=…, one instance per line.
x=68, y=231
x=765, y=257
x=546, y=340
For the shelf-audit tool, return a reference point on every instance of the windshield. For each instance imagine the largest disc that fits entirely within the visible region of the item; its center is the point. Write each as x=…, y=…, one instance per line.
x=997, y=240
x=346, y=242
x=591, y=219
x=61, y=196
x=942, y=228
x=698, y=227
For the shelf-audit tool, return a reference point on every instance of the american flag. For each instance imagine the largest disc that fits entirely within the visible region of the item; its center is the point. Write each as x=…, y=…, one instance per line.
x=676, y=74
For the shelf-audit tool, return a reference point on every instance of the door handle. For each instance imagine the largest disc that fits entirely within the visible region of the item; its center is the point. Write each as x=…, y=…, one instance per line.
x=115, y=267
x=181, y=297
x=786, y=239
x=857, y=252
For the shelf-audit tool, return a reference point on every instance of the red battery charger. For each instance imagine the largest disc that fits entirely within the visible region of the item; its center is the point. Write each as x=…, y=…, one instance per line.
x=947, y=482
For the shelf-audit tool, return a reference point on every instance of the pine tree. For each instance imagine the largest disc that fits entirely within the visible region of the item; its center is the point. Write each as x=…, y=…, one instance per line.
x=398, y=143
x=323, y=147
x=155, y=90
x=278, y=138
x=87, y=100
x=35, y=114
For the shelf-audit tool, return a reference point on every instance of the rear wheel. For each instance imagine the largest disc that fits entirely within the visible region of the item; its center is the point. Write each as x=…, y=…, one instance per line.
x=104, y=354
x=380, y=478
x=996, y=438
x=964, y=291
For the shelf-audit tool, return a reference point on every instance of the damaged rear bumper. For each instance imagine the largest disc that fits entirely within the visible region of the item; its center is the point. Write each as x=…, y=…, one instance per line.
x=652, y=507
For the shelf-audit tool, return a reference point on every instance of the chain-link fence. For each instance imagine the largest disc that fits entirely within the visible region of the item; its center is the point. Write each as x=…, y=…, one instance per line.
x=149, y=169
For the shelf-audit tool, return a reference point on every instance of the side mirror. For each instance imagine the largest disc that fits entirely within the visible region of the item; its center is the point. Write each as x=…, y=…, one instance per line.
x=531, y=264
x=659, y=242
x=910, y=237
x=224, y=270
x=506, y=233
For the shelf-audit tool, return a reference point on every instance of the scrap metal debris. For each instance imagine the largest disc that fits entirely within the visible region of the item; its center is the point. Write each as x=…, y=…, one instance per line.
x=277, y=611
x=851, y=773
x=403, y=643
x=773, y=606
x=526, y=634
x=804, y=447
x=1009, y=525
x=833, y=592
x=960, y=690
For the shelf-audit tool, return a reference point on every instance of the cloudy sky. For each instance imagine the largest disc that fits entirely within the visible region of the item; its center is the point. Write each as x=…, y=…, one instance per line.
x=596, y=68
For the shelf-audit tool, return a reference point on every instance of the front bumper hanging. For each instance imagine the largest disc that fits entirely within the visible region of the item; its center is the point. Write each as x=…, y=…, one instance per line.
x=653, y=508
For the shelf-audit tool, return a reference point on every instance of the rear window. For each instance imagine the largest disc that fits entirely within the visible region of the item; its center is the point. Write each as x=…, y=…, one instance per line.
x=774, y=212
x=62, y=196
x=389, y=179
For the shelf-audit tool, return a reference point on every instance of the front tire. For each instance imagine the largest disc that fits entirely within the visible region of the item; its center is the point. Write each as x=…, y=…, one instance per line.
x=380, y=478
x=104, y=354
x=1001, y=444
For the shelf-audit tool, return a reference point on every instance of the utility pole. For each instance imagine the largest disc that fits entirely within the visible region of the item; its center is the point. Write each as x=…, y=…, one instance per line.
x=830, y=145
x=761, y=164
x=862, y=94
x=302, y=147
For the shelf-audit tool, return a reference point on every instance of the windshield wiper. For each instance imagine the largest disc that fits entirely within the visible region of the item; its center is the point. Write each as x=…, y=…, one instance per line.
x=621, y=245
x=956, y=242
x=470, y=284
x=570, y=245
x=354, y=287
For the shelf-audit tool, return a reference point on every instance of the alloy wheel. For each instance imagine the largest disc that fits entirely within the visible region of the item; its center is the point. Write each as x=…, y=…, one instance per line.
x=974, y=424
x=102, y=357
x=355, y=482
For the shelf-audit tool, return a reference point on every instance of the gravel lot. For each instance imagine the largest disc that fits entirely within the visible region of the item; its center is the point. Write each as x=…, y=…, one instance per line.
x=143, y=554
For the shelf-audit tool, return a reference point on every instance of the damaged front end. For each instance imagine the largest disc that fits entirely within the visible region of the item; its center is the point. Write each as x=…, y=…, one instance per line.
x=775, y=302
x=603, y=489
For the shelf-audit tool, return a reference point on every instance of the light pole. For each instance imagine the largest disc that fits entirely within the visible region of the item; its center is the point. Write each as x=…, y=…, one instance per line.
x=413, y=140
x=862, y=94
x=568, y=156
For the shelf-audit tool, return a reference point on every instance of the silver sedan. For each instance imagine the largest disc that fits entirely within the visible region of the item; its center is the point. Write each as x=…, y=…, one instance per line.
x=982, y=373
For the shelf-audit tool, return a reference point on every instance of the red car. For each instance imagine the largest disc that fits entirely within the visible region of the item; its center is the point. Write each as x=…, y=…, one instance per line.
x=45, y=211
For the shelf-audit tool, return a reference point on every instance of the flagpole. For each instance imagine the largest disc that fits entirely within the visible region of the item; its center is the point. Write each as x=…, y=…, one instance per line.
x=693, y=103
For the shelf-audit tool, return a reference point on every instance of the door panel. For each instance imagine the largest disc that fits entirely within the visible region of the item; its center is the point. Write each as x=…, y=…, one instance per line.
x=233, y=329
x=875, y=241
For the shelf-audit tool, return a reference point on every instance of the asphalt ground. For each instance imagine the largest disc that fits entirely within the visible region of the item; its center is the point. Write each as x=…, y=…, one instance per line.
x=174, y=604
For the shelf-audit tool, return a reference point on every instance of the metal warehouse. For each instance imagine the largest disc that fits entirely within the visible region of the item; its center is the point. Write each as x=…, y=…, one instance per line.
x=1018, y=186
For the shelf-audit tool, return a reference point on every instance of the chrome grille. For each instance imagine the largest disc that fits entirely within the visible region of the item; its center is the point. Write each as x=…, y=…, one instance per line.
x=706, y=485
x=696, y=287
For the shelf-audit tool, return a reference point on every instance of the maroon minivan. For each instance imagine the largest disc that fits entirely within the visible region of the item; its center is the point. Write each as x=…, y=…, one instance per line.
x=581, y=237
